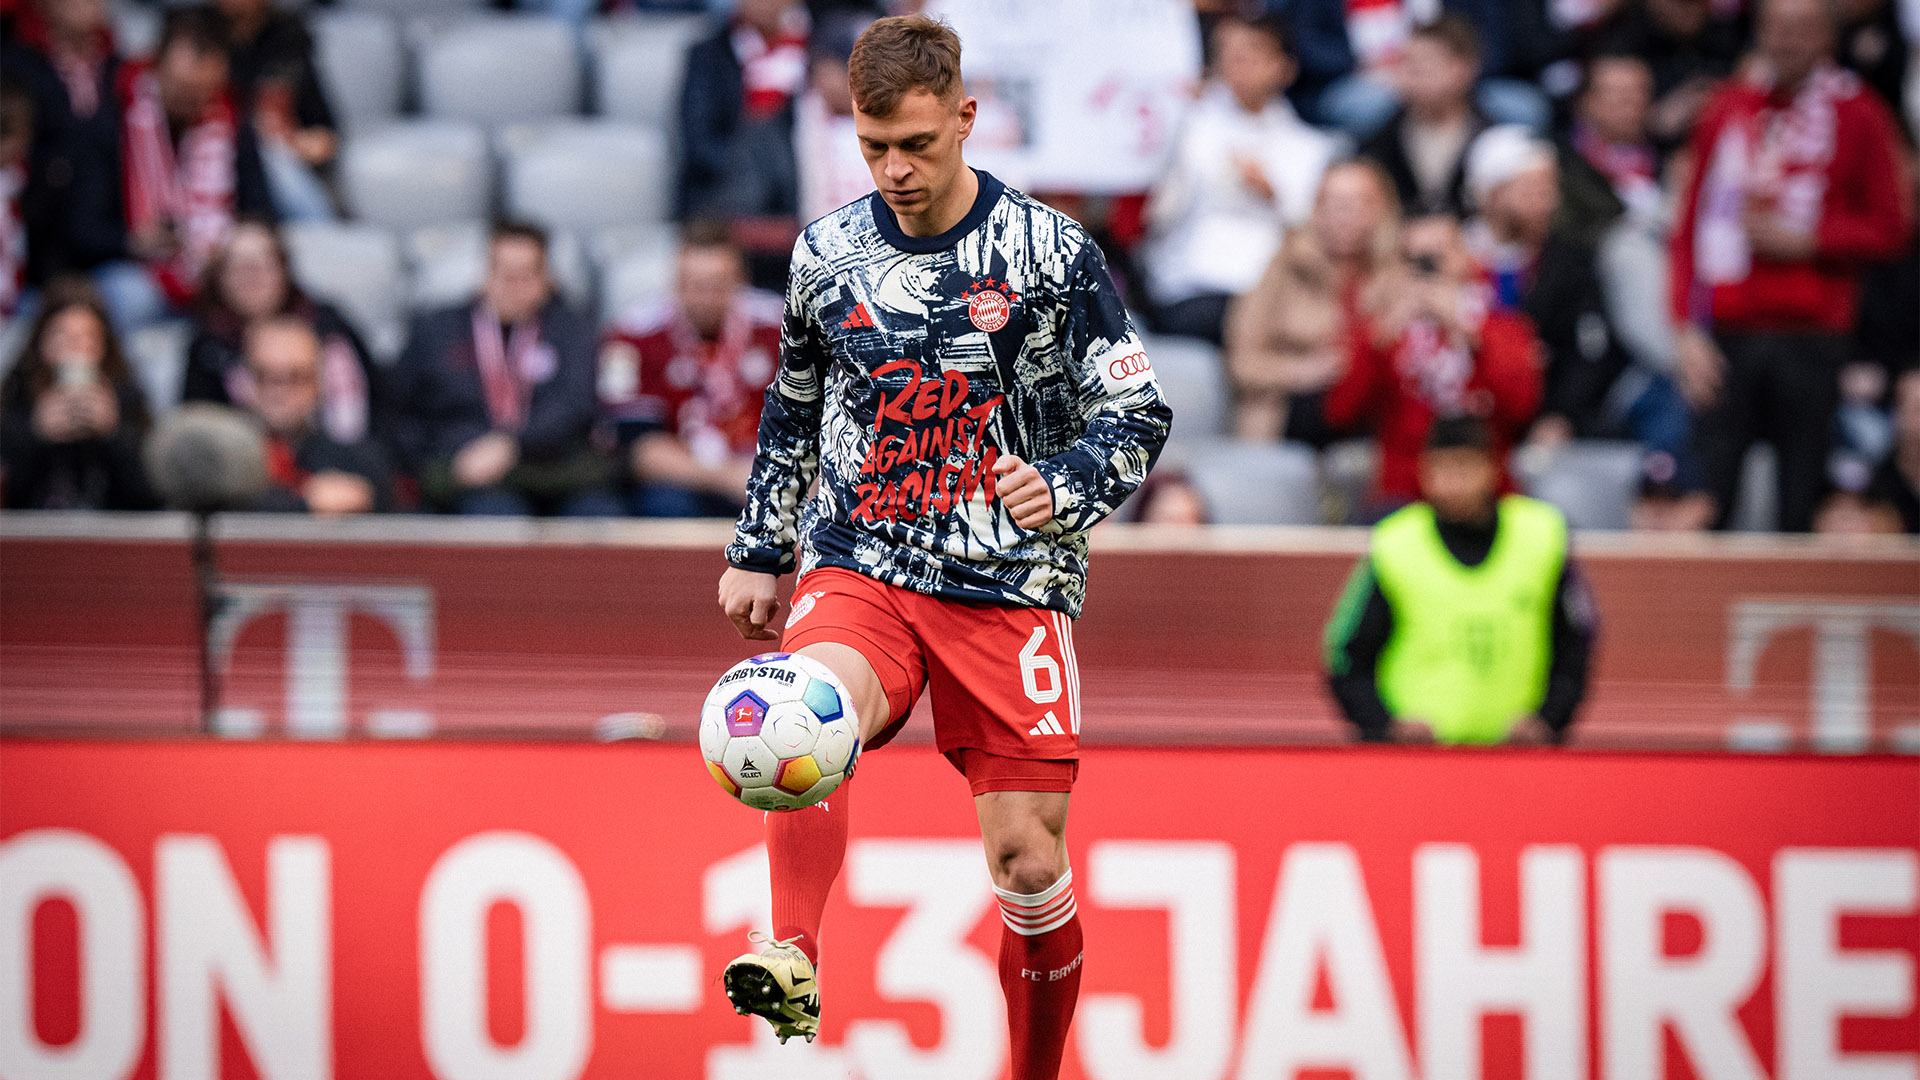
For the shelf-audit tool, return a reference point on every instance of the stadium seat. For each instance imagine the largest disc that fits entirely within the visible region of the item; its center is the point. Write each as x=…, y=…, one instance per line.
x=1256, y=483
x=448, y=262
x=357, y=268
x=136, y=29
x=158, y=356
x=638, y=62
x=414, y=7
x=634, y=279
x=590, y=176
x=1348, y=470
x=416, y=173
x=1193, y=383
x=362, y=64
x=500, y=70
x=1593, y=482
x=1758, y=507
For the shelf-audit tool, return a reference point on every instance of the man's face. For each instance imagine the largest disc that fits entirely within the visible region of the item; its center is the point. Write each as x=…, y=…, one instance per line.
x=914, y=154
x=1432, y=76
x=1619, y=93
x=708, y=280
x=1460, y=482
x=190, y=79
x=1250, y=63
x=1431, y=250
x=75, y=17
x=1794, y=36
x=285, y=364
x=1349, y=211
x=1525, y=204
x=516, y=286
x=1681, y=19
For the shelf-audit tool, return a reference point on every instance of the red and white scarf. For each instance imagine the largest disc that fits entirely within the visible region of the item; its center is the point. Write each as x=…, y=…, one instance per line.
x=192, y=188
x=772, y=72
x=510, y=365
x=1770, y=153
x=1377, y=31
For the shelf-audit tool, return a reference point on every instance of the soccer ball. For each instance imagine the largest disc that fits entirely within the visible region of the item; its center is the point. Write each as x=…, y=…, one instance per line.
x=778, y=732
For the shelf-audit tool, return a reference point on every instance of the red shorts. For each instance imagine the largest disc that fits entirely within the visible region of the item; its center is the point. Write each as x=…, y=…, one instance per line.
x=1004, y=686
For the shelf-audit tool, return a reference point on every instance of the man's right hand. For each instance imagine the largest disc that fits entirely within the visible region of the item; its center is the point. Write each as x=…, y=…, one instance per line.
x=486, y=460
x=751, y=599
x=1701, y=366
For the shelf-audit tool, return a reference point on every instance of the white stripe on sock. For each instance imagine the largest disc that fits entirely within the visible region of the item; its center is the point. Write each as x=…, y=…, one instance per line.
x=1032, y=914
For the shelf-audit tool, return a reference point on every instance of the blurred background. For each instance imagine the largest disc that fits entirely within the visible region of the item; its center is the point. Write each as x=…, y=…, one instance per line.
x=380, y=378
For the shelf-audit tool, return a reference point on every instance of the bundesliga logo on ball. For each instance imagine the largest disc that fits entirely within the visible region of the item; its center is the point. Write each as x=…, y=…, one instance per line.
x=778, y=732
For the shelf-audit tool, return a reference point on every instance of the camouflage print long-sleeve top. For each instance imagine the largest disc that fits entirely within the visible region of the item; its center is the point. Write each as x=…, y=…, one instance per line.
x=909, y=365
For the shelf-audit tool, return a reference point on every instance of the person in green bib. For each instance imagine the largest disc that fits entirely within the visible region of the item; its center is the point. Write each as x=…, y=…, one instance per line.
x=1467, y=621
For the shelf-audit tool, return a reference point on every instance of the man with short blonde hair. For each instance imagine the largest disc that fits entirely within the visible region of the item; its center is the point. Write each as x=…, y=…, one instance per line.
x=959, y=371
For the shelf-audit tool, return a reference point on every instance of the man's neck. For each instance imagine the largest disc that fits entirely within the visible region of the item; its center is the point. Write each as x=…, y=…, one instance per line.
x=948, y=212
x=1441, y=116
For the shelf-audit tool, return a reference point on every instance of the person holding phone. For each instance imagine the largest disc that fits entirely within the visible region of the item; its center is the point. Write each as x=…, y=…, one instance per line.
x=71, y=415
x=1437, y=348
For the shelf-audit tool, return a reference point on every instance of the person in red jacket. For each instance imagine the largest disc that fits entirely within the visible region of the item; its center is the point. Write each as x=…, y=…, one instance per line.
x=1795, y=185
x=1436, y=350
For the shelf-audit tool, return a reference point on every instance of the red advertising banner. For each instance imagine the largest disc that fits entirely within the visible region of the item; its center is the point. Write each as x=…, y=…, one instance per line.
x=432, y=626
x=467, y=911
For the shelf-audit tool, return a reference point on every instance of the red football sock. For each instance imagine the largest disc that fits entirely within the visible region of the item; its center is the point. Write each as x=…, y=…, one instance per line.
x=804, y=852
x=1040, y=972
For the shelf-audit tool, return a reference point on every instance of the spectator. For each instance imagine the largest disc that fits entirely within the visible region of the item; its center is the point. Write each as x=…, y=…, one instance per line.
x=308, y=470
x=158, y=186
x=1434, y=350
x=250, y=280
x=495, y=397
x=1244, y=168
x=1540, y=272
x=1796, y=185
x=61, y=53
x=1352, y=52
x=276, y=85
x=16, y=152
x=1424, y=147
x=1897, y=481
x=736, y=115
x=682, y=383
x=833, y=172
x=1169, y=498
x=1288, y=339
x=1689, y=49
x=1610, y=165
x=71, y=416
x=1467, y=621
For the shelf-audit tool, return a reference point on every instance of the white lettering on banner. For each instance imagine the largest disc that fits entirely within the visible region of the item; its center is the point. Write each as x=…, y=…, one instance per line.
x=1193, y=882
x=539, y=881
x=41, y=865
x=1643, y=991
x=735, y=900
x=1321, y=915
x=1459, y=980
x=1818, y=982
x=927, y=958
x=317, y=649
x=279, y=993
x=1841, y=711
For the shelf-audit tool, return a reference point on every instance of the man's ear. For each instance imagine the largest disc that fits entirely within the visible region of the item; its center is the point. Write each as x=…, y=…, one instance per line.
x=969, y=109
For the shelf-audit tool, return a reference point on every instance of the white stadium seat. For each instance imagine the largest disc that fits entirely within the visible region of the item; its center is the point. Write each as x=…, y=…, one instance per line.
x=362, y=63
x=500, y=70
x=448, y=262
x=640, y=276
x=591, y=176
x=416, y=173
x=1193, y=382
x=1593, y=482
x=1758, y=507
x=357, y=268
x=158, y=356
x=1256, y=483
x=414, y=7
x=638, y=63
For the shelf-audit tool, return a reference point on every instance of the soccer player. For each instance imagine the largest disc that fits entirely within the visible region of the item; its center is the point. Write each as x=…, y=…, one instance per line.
x=958, y=370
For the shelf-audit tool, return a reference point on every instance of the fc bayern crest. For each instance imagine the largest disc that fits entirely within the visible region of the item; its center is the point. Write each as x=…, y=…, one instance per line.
x=990, y=304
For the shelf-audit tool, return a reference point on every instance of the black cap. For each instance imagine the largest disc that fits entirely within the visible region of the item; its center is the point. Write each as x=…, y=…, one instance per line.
x=1460, y=433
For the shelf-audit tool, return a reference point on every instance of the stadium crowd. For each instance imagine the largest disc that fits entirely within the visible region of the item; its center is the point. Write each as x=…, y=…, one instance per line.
x=1637, y=238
